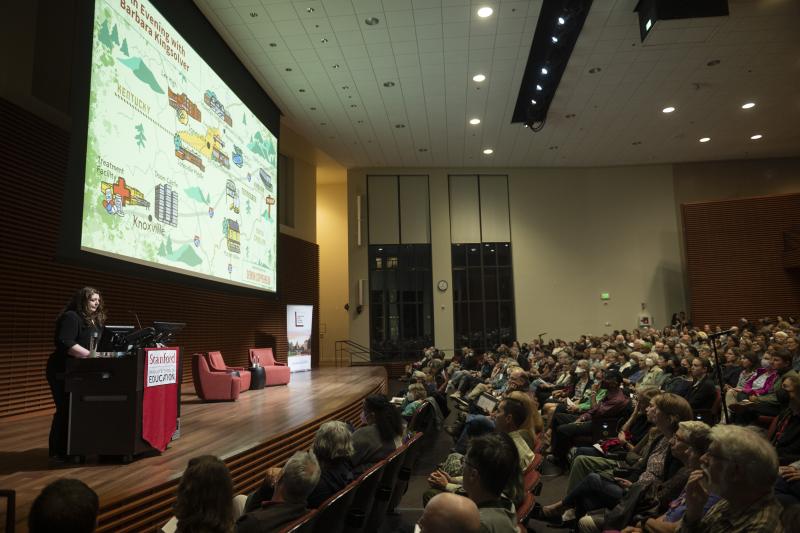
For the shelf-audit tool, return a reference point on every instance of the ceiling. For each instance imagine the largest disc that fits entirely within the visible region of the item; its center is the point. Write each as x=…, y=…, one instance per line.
x=326, y=69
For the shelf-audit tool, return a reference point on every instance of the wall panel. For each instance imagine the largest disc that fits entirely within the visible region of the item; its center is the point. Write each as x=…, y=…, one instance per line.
x=34, y=286
x=735, y=262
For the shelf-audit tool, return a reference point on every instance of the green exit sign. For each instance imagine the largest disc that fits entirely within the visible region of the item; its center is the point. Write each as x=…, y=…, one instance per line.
x=605, y=296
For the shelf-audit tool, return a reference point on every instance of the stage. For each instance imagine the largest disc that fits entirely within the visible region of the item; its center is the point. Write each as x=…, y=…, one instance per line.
x=262, y=429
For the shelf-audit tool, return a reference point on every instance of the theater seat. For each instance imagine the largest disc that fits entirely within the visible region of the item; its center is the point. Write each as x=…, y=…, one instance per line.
x=276, y=373
x=211, y=385
x=217, y=364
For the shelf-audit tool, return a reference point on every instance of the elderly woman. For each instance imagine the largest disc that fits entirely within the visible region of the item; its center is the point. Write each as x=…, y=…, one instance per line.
x=414, y=397
x=333, y=446
x=381, y=434
x=652, y=371
x=598, y=491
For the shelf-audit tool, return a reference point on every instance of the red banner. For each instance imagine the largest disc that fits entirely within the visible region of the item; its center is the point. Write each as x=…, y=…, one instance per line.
x=160, y=396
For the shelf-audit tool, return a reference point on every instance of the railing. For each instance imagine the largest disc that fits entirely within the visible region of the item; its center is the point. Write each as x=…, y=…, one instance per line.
x=349, y=352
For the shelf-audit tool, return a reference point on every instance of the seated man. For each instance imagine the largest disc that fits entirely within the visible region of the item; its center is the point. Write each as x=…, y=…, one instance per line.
x=64, y=505
x=295, y=482
x=450, y=513
x=491, y=463
x=566, y=426
x=741, y=467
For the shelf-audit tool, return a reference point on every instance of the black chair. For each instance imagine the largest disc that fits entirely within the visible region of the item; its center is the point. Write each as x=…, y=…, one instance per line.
x=11, y=507
x=385, y=488
x=331, y=514
x=360, y=507
x=413, y=451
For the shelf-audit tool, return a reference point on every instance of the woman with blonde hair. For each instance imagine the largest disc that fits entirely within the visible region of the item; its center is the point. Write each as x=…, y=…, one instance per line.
x=533, y=424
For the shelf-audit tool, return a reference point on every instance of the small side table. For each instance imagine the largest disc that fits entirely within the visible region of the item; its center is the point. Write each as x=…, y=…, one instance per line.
x=258, y=377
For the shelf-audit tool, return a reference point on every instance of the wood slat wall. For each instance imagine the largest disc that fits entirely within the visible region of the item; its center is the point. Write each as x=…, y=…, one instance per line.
x=34, y=286
x=735, y=262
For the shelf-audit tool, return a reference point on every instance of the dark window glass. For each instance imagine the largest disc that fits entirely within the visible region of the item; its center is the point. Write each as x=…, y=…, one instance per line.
x=401, y=300
x=483, y=295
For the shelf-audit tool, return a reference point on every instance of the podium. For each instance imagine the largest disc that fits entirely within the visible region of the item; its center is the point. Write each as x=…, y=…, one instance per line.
x=106, y=405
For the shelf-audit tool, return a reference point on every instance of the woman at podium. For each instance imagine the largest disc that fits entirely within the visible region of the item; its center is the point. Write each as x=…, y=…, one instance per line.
x=77, y=329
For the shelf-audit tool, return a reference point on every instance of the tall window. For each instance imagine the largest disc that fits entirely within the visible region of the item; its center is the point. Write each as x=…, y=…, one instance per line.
x=401, y=299
x=483, y=295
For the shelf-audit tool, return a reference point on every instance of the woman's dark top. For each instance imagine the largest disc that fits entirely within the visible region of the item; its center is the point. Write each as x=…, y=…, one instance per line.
x=639, y=428
x=786, y=437
x=71, y=329
x=333, y=477
x=703, y=394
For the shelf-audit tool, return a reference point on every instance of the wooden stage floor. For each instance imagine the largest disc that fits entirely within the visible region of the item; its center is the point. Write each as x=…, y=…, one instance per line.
x=263, y=428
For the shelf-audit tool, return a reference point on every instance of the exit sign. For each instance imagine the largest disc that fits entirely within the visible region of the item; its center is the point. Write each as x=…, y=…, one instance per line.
x=605, y=296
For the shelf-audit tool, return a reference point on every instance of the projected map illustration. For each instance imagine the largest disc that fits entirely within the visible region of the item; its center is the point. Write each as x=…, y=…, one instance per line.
x=180, y=174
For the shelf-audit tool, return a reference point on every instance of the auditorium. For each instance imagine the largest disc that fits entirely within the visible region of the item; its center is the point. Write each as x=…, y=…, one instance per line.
x=400, y=265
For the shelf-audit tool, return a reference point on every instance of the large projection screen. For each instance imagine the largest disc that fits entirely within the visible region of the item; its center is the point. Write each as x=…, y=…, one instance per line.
x=180, y=174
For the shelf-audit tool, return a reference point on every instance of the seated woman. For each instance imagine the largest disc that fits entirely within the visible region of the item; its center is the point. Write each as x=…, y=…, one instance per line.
x=748, y=362
x=689, y=444
x=569, y=400
x=381, y=435
x=333, y=446
x=414, y=398
x=604, y=490
x=205, y=502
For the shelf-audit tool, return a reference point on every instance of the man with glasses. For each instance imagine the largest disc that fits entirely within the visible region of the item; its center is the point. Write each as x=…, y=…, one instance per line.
x=740, y=466
x=491, y=465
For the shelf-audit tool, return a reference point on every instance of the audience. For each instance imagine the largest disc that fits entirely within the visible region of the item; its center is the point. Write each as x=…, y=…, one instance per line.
x=204, y=502
x=294, y=484
x=450, y=513
x=381, y=434
x=490, y=465
x=333, y=448
x=65, y=505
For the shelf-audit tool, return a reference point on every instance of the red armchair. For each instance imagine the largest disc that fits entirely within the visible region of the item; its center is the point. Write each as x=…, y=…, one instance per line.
x=276, y=373
x=217, y=364
x=211, y=385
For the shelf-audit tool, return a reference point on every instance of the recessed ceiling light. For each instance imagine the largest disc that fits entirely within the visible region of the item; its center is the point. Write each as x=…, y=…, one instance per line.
x=253, y=14
x=705, y=139
x=669, y=109
x=323, y=123
x=353, y=105
x=474, y=121
x=636, y=143
x=399, y=126
x=288, y=69
x=713, y=63
x=594, y=70
x=478, y=77
x=388, y=84
x=756, y=137
x=533, y=101
x=538, y=87
x=561, y=21
x=485, y=12
x=544, y=71
x=423, y=149
x=749, y=105
x=336, y=65
x=554, y=39
x=345, y=87
x=323, y=40
x=301, y=90
x=372, y=21
x=273, y=45
x=552, y=147
x=569, y=115
x=488, y=151
x=313, y=108
x=310, y=10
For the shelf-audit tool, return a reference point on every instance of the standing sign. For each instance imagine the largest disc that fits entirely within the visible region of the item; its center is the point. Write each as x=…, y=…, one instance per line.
x=160, y=396
x=298, y=333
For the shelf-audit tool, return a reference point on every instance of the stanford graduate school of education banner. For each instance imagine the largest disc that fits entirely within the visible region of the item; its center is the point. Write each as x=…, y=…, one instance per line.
x=160, y=398
x=298, y=333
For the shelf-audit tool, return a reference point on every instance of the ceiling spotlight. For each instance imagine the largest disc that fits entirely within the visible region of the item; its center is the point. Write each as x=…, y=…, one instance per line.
x=310, y=10
x=544, y=71
x=423, y=149
x=595, y=70
x=669, y=109
x=533, y=102
x=323, y=40
x=749, y=105
x=336, y=65
x=561, y=21
x=372, y=21
x=478, y=77
x=485, y=12
x=705, y=139
x=488, y=151
x=388, y=84
x=474, y=121
x=554, y=39
x=399, y=126
x=538, y=87
x=756, y=137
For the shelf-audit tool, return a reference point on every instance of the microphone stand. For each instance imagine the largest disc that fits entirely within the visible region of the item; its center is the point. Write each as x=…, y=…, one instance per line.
x=713, y=338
